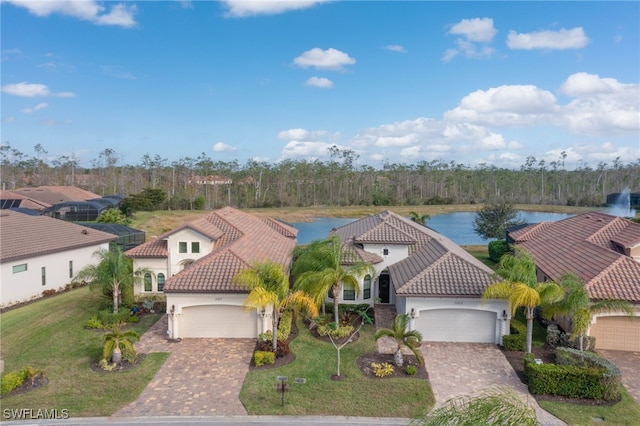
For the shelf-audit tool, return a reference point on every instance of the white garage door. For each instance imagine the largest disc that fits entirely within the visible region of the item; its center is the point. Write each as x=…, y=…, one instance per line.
x=617, y=333
x=457, y=325
x=218, y=321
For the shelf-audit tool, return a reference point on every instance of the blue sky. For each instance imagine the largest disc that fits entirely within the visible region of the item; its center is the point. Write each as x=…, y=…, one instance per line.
x=398, y=82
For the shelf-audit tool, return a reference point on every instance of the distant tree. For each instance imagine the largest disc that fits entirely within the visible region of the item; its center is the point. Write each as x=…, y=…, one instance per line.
x=113, y=216
x=418, y=218
x=493, y=220
x=148, y=200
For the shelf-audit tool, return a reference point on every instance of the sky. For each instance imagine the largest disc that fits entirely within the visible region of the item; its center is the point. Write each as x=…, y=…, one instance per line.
x=478, y=83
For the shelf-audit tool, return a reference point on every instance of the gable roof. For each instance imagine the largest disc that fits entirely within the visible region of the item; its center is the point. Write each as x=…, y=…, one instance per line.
x=436, y=265
x=56, y=194
x=12, y=199
x=586, y=245
x=25, y=236
x=239, y=240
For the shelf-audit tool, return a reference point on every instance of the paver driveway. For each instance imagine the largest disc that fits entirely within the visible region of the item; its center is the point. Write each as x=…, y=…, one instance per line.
x=457, y=369
x=629, y=364
x=202, y=377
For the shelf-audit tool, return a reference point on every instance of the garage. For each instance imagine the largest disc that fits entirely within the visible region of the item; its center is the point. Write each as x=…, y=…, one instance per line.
x=621, y=333
x=218, y=321
x=457, y=325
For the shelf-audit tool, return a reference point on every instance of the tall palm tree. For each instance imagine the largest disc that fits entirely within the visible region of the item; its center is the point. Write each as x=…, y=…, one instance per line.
x=269, y=286
x=118, y=341
x=580, y=308
x=403, y=337
x=319, y=270
x=113, y=273
x=418, y=218
x=521, y=288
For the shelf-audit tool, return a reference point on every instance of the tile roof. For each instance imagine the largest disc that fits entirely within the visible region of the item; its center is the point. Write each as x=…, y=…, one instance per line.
x=25, y=201
x=24, y=236
x=239, y=240
x=436, y=267
x=57, y=194
x=584, y=244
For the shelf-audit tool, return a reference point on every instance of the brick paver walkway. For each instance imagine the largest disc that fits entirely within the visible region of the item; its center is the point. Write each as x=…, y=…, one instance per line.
x=629, y=364
x=201, y=377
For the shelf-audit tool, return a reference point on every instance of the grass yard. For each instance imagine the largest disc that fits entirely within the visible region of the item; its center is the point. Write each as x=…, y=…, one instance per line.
x=49, y=335
x=481, y=253
x=626, y=412
x=355, y=395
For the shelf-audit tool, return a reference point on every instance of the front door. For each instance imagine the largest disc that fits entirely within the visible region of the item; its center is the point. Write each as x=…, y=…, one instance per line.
x=383, y=287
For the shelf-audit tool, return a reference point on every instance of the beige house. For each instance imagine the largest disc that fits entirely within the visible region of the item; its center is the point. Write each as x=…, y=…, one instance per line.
x=425, y=275
x=604, y=251
x=39, y=253
x=193, y=266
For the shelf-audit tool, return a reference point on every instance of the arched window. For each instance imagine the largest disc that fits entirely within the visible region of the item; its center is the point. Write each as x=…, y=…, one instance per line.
x=148, y=285
x=366, y=288
x=160, y=282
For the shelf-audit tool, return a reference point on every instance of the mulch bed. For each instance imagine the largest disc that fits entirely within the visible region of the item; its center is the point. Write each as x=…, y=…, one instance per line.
x=548, y=356
x=123, y=366
x=365, y=361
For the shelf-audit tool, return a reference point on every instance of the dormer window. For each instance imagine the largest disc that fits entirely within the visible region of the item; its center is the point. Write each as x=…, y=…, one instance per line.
x=195, y=247
x=182, y=247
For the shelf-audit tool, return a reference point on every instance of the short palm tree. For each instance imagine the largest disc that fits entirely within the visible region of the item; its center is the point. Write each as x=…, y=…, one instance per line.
x=580, y=308
x=113, y=273
x=117, y=342
x=319, y=270
x=403, y=337
x=269, y=286
x=418, y=218
x=521, y=288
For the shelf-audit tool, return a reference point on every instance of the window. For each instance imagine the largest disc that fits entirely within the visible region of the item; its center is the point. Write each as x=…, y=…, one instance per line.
x=330, y=293
x=366, y=288
x=160, y=282
x=349, y=294
x=19, y=268
x=182, y=247
x=385, y=252
x=43, y=273
x=71, y=269
x=147, y=282
x=195, y=247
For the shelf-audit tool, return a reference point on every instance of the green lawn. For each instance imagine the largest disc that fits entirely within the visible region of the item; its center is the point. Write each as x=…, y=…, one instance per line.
x=49, y=335
x=626, y=412
x=355, y=395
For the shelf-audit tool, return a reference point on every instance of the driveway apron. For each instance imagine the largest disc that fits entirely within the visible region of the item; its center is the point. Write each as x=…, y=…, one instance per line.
x=457, y=369
x=201, y=377
x=629, y=364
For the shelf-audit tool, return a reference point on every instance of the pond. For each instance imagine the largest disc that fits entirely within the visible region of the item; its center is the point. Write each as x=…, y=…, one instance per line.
x=458, y=226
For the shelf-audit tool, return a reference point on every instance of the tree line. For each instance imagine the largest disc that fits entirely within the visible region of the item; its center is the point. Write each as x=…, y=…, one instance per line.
x=200, y=182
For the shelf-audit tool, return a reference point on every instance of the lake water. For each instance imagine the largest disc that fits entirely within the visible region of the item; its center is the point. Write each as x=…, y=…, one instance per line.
x=458, y=226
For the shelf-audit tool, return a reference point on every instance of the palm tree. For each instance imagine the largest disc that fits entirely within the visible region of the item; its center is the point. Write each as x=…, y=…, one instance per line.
x=269, y=286
x=579, y=307
x=403, y=337
x=418, y=218
x=118, y=341
x=521, y=288
x=114, y=274
x=319, y=269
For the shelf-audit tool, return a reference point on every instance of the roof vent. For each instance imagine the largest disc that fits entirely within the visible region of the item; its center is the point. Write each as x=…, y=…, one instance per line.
x=84, y=232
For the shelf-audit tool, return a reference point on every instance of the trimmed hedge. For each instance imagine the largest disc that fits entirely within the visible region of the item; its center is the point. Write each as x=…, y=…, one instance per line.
x=284, y=325
x=517, y=340
x=591, y=380
x=264, y=358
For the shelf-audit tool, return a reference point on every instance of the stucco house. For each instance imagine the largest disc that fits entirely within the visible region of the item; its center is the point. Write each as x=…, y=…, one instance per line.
x=425, y=275
x=39, y=253
x=604, y=251
x=193, y=266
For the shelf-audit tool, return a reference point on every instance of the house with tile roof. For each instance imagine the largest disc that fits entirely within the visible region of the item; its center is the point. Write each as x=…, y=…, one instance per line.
x=604, y=251
x=39, y=253
x=54, y=194
x=425, y=275
x=194, y=265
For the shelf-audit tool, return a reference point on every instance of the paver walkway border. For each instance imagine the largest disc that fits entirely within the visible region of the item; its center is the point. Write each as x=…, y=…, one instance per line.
x=201, y=377
x=629, y=364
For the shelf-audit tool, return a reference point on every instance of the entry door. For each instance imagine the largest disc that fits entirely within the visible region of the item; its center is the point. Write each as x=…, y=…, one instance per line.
x=383, y=287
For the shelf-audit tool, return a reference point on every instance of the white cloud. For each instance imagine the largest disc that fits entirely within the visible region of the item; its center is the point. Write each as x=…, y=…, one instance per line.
x=574, y=38
x=476, y=29
x=117, y=72
x=38, y=107
x=321, y=82
x=306, y=149
x=324, y=59
x=223, y=147
x=31, y=90
x=9, y=119
x=303, y=134
x=395, y=48
x=244, y=8
x=88, y=10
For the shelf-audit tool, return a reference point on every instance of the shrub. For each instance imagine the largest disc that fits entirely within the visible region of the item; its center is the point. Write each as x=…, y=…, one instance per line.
x=106, y=366
x=382, y=370
x=109, y=319
x=340, y=332
x=282, y=348
x=132, y=319
x=94, y=322
x=411, y=369
x=10, y=381
x=569, y=340
x=284, y=325
x=514, y=342
x=47, y=293
x=553, y=335
x=517, y=327
x=496, y=249
x=264, y=358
